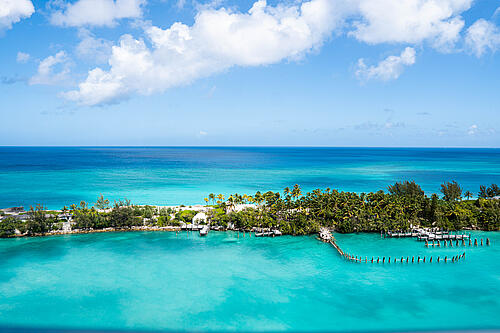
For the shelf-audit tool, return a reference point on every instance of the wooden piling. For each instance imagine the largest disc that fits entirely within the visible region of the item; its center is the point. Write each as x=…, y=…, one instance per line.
x=487, y=242
x=424, y=259
x=445, y=258
x=475, y=242
x=430, y=260
x=481, y=242
x=413, y=259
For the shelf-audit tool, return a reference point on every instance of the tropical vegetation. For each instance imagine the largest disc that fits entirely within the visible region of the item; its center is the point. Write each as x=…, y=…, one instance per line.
x=403, y=206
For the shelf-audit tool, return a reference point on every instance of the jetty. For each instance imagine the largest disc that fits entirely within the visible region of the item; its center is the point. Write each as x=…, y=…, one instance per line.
x=267, y=233
x=326, y=236
x=427, y=234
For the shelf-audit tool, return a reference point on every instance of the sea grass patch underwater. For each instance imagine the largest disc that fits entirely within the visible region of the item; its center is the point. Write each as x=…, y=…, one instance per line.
x=164, y=280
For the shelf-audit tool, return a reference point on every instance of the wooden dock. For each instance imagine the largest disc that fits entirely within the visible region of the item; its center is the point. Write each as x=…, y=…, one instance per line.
x=427, y=234
x=327, y=237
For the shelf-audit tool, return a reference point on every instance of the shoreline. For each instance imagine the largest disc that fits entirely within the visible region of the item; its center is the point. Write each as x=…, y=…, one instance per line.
x=404, y=210
x=178, y=229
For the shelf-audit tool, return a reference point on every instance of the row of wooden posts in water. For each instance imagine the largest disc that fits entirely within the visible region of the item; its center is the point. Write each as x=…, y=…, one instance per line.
x=457, y=243
x=382, y=260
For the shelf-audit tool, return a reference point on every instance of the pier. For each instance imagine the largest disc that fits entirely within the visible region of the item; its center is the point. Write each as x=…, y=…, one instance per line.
x=326, y=236
x=427, y=234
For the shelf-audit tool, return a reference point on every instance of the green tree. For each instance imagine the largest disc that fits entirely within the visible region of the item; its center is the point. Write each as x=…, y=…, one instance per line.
x=406, y=189
x=38, y=221
x=8, y=227
x=101, y=202
x=451, y=191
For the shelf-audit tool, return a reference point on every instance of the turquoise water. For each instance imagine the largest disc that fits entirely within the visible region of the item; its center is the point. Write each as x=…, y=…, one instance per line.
x=61, y=176
x=160, y=280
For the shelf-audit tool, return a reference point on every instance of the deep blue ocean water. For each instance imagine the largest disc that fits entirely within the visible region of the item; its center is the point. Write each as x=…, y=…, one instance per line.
x=60, y=176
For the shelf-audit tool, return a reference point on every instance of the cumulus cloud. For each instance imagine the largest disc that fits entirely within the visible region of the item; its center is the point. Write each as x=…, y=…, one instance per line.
x=12, y=11
x=411, y=21
x=96, y=12
x=482, y=36
x=22, y=57
x=91, y=48
x=219, y=39
x=52, y=70
x=223, y=38
x=388, y=69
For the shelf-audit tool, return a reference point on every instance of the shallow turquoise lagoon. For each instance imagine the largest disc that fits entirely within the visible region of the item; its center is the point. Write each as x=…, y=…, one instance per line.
x=160, y=280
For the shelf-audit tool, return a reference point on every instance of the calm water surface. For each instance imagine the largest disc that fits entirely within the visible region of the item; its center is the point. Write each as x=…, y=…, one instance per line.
x=160, y=280
x=62, y=176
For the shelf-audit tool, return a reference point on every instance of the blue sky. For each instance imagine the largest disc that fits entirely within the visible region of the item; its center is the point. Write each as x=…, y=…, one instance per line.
x=318, y=72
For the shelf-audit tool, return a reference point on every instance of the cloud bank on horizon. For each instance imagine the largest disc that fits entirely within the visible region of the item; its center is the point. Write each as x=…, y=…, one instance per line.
x=221, y=37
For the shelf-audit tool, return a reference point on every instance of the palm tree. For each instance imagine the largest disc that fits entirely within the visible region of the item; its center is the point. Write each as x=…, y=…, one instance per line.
x=468, y=194
x=296, y=192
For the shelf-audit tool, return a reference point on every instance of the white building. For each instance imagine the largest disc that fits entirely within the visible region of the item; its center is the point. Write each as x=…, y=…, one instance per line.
x=200, y=218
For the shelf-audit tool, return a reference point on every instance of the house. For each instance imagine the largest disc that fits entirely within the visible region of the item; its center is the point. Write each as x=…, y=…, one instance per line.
x=200, y=218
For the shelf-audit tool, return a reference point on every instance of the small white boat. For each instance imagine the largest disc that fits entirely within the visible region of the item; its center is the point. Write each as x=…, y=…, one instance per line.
x=204, y=230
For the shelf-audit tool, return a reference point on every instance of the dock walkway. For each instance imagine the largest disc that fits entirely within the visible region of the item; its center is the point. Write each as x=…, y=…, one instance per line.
x=326, y=236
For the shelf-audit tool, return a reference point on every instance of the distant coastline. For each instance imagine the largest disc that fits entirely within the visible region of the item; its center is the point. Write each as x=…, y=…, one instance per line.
x=403, y=207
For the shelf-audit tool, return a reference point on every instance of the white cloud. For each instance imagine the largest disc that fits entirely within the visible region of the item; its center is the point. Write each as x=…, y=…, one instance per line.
x=219, y=39
x=388, y=69
x=222, y=38
x=97, y=50
x=47, y=70
x=96, y=12
x=411, y=21
x=482, y=36
x=203, y=133
x=22, y=57
x=497, y=12
x=12, y=11
x=472, y=130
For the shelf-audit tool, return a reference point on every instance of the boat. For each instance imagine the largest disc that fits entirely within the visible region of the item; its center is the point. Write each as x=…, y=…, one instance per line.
x=204, y=230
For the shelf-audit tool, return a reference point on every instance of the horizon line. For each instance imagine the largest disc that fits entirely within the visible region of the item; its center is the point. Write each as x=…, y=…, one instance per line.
x=246, y=146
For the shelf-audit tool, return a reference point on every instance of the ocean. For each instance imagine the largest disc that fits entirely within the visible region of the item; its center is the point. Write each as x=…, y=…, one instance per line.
x=222, y=282
x=58, y=176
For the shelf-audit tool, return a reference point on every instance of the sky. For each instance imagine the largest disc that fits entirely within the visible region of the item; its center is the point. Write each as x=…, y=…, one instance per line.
x=385, y=73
